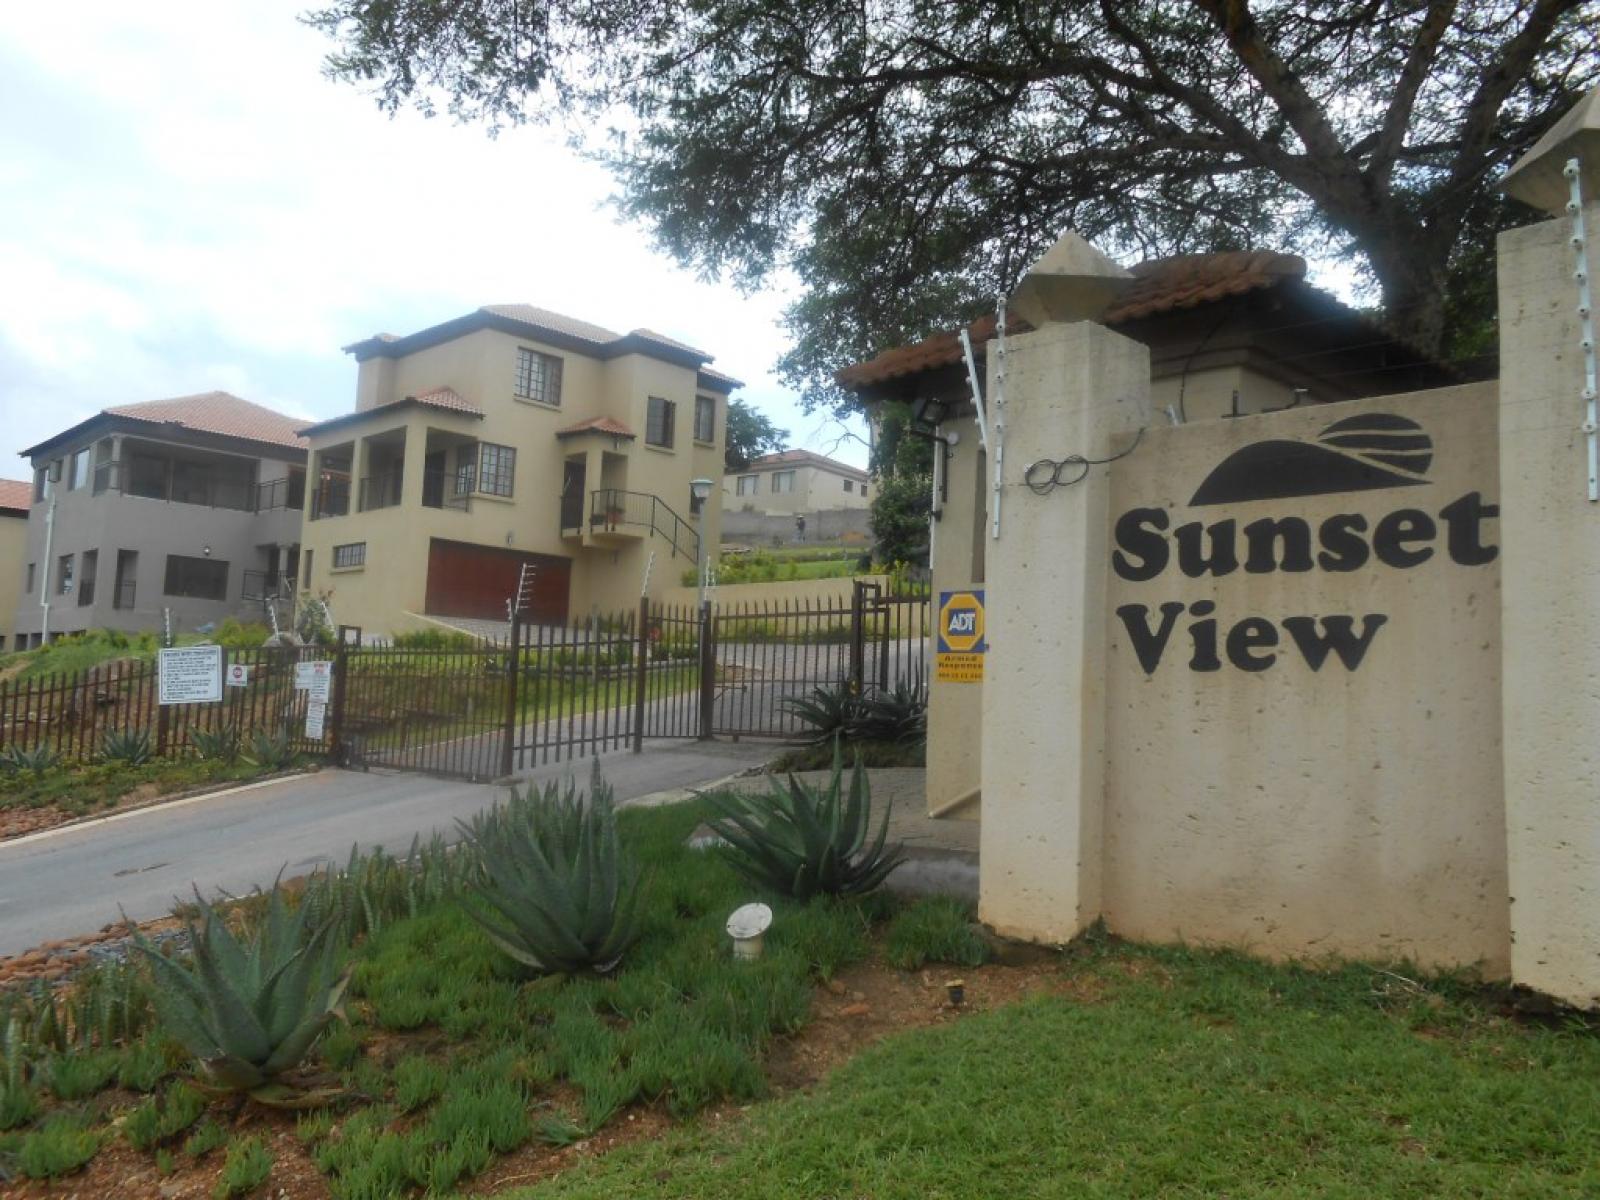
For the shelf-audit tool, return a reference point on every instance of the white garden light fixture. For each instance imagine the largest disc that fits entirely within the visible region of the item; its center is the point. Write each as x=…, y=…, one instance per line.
x=746, y=926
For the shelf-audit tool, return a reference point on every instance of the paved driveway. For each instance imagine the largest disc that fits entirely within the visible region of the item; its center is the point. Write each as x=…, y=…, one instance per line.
x=72, y=881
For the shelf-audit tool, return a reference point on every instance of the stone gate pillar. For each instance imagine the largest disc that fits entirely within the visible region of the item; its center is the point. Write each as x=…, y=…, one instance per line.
x=1071, y=389
x=1551, y=578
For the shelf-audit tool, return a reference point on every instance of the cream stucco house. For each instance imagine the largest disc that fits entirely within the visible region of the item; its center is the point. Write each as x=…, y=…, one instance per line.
x=796, y=481
x=14, y=495
x=511, y=455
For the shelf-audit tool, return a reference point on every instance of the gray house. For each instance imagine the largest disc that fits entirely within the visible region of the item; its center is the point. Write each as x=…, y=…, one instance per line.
x=187, y=509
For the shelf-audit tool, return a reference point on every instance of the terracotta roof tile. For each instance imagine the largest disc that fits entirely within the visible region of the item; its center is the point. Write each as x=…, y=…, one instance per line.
x=783, y=458
x=15, y=494
x=608, y=425
x=449, y=399
x=220, y=413
x=543, y=318
x=661, y=339
x=1160, y=285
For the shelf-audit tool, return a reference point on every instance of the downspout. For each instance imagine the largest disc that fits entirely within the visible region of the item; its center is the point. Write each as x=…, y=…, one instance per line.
x=49, y=539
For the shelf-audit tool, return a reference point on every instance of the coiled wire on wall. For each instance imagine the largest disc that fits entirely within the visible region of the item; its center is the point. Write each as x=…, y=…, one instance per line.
x=1045, y=475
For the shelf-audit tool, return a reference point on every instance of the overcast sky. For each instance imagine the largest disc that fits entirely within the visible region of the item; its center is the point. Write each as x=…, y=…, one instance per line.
x=186, y=204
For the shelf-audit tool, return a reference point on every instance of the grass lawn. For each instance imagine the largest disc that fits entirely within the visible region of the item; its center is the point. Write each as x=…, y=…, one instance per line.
x=1171, y=1074
x=1124, y=1071
x=81, y=790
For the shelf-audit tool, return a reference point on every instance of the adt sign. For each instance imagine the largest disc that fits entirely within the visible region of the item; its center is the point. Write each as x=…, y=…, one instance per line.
x=960, y=645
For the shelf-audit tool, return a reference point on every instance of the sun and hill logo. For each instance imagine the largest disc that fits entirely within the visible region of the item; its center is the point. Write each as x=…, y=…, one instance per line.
x=1368, y=453
x=1358, y=454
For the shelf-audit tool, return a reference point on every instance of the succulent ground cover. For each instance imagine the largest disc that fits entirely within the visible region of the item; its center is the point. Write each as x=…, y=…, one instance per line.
x=457, y=1060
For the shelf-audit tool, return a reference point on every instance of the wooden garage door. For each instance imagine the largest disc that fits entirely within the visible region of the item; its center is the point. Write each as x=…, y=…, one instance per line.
x=476, y=581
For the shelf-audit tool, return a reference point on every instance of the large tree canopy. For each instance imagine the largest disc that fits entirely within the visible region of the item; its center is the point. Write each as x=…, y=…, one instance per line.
x=750, y=434
x=909, y=158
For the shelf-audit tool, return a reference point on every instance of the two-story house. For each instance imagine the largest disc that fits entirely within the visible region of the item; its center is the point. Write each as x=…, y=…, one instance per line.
x=512, y=455
x=14, y=504
x=796, y=482
x=185, y=510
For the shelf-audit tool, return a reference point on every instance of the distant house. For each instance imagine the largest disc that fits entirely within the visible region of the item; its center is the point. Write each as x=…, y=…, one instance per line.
x=14, y=495
x=512, y=454
x=189, y=507
x=796, y=482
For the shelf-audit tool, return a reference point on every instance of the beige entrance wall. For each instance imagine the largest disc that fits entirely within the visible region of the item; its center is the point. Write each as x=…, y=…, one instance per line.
x=1256, y=800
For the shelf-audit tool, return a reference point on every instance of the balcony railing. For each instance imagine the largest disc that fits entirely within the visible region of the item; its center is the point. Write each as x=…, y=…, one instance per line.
x=288, y=491
x=612, y=510
x=267, y=585
x=331, y=499
x=122, y=596
x=380, y=491
x=439, y=491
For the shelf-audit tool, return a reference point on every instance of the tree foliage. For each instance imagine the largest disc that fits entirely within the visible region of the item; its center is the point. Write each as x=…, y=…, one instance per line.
x=909, y=159
x=750, y=434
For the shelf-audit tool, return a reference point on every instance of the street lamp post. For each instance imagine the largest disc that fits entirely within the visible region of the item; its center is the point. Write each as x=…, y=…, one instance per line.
x=700, y=490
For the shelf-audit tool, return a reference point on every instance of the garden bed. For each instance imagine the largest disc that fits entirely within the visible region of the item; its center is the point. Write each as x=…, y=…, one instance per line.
x=66, y=794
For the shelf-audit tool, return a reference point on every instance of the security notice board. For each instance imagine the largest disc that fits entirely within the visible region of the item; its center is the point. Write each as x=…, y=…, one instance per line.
x=189, y=675
x=961, y=645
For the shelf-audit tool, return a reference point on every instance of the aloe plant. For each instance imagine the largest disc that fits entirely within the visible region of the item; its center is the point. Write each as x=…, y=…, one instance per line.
x=805, y=841
x=271, y=751
x=899, y=715
x=826, y=713
x=561, y=897
x=131, y=746
x=250, y=1010
x=38, y=760
x=216, y=745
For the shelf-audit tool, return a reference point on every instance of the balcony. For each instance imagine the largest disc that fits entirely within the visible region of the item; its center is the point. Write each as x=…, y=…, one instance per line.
x=617, y=516
x=331, y=499
x=287, y=492
x=383, y=490
x=439, y=491
x=178, y=481
x=267, y=585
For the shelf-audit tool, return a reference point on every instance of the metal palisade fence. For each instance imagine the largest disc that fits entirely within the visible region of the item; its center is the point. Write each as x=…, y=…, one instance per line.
x=474, y=709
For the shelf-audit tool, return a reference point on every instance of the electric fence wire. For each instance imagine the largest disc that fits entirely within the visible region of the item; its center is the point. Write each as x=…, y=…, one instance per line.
x=1045, y=475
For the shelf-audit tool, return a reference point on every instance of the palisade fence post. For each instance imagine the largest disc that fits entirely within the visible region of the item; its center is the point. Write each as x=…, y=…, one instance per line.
x=708, y=672
x=341, y=664
x=858, y=666
x=641, y=674
x=508, y=745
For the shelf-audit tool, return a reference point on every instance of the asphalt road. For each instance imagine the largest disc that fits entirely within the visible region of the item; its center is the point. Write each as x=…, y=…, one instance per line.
x=73, y=881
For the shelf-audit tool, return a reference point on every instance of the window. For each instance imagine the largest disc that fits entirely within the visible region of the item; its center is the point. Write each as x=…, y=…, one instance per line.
x=305, y=557
x=91, y=564
x=705, y=419
x=352, y=554
x=849, y=485
x=659, y=421
x=496, y=466
x=64, y=575
x=146, y=476
x=103, y=450
x=749, y=485
x=782, y=481
x=196, y=578
x=466, y=470
x=538, y=376
x=28, y=590
x=79, y=476
x=863, y=491
x=127, y=579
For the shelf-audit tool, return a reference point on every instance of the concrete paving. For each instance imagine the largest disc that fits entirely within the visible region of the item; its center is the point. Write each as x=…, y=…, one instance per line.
x=73, y=881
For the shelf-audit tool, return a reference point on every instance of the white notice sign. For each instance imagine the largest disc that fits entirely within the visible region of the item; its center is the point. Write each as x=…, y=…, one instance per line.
x=314, y=714
x=189, y=675
x=316, y=678
x=238, y=675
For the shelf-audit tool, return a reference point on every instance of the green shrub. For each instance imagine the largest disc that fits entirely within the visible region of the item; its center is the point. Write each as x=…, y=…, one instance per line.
x=19, y=1103
x=160, y=1120
x=560, y=893
x=804, y=841
x=37, y=760
x=236, y=635
x=143, y=1065
x=271, y=751
x=417, y=1082
x=936, y=929
x=221, y=744
x=130, y=746
x=246, y=1168
x=208, y=1135
x=76, y=1076
x=435, y=639
x=59, y=1147
x=249, y=1011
